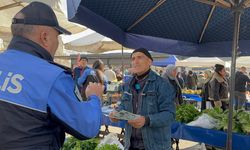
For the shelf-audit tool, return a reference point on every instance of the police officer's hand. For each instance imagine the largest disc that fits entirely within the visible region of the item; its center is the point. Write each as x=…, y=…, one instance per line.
x=137, y=123
x=94, y=89
x=111, y=117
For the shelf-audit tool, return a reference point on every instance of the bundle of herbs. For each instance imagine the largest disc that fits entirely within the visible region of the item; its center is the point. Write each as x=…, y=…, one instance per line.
x=186, y=113
x=92, y=144
x=241, y=120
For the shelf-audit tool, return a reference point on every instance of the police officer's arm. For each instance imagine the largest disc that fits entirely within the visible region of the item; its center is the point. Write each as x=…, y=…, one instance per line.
x=83, y=77
x=80, y=119
x=166, y=106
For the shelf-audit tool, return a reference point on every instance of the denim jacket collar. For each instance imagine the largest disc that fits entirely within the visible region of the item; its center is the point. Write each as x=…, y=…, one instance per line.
x=152, y=76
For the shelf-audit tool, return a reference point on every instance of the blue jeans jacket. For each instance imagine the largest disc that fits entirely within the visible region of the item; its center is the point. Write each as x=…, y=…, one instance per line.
x=157, y=103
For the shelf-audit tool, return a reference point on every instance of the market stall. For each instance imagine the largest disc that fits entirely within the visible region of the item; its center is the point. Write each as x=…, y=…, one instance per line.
x=208, y=136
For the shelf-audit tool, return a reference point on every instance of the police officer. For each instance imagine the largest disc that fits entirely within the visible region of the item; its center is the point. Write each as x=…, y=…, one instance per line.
x=38, y=99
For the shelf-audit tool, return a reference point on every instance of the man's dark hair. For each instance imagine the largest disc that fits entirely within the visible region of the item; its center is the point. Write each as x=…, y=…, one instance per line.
x=84, y=58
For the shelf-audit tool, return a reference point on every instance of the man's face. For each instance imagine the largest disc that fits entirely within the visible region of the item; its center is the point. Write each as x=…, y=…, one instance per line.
x=83, y=63
x=243, y=69
x=174, y=73
x=140, y=63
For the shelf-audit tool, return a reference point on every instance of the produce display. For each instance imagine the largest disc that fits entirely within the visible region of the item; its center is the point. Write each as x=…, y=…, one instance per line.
x=197, y=92
x=241, y=118
x=186, y=113
x=75, y=144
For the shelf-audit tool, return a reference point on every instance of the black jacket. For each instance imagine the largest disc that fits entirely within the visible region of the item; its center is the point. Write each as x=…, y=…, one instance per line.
x=178, y=97
x=218, y=88
x=205, y=91
x=240, y=81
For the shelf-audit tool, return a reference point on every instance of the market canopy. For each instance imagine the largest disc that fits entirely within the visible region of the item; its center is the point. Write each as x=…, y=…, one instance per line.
x=89, y=41
x=200, y=62
x=242, y=61
x=8, y=8
x=163, y=63
x=182, y=27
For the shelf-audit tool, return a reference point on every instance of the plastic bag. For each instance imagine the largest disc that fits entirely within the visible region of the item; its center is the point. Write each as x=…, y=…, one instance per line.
x=106, y=110
x=204, y=121
x=197, y=147
x=111, y=138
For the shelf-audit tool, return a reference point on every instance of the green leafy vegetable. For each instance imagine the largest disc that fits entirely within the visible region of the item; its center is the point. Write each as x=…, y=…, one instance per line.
x=186, y=113
x=75, y=144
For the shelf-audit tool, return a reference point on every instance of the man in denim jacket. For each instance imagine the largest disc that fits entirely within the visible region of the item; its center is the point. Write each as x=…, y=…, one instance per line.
x=151, y=97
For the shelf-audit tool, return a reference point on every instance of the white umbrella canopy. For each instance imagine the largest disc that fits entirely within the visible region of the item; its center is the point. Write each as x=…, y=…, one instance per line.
x=242, y=61
x=89, y=41
x=8, y=8
x=200, y=62
x=81, y=40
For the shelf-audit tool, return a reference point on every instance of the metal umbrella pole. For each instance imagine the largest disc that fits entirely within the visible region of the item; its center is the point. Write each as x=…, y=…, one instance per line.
x=237, y=11
x=122, y=61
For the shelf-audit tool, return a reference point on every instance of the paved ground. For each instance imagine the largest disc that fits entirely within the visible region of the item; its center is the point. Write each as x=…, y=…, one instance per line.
x=183, y=145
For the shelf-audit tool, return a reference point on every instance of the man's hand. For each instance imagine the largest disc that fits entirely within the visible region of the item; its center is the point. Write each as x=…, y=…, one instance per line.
x=94, y=89
x=111, y=117
x=137, y=123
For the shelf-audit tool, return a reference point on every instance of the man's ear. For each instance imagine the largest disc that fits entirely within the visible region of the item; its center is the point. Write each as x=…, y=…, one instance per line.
x=44, y=39
x=150, y=61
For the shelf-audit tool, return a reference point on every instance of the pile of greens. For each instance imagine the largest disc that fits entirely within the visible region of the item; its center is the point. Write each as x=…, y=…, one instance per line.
x=186, y=113
x=108, y=147
x=241, y=120
x=75, y=144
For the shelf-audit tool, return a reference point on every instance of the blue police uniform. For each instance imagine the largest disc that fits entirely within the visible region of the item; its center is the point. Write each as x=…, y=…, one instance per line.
x=38, y=103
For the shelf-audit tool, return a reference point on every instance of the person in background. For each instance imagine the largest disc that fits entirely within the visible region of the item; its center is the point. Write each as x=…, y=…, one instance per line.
x=180, y=80
x=78, y=71
x=205, y=89
x=160, y=72
x=241, y=79
x=37, y=107
x=98, y=66
x=184, y=76
x=218, y=87
x=151, y=97
x=248, y=85
x=191, y=80
x=94, y=75
x=110, y=74
x=119, y=75
x=170, y=74
x=200, y=80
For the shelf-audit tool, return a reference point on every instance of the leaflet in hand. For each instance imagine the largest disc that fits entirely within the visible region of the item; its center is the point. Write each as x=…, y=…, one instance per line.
x=125, y=115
